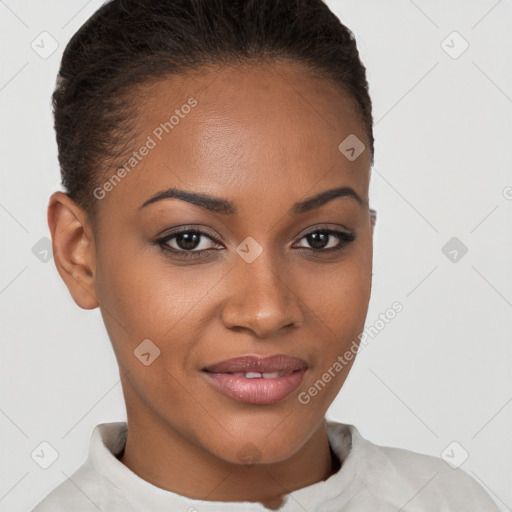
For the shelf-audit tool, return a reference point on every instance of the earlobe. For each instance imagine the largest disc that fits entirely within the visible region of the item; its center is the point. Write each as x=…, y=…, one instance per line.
x=73, y=249
x=373, y=218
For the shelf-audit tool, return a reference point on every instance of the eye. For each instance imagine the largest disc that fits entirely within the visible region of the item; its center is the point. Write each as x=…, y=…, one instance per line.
x=327, y=240
x=193, y=243
x=187, y=243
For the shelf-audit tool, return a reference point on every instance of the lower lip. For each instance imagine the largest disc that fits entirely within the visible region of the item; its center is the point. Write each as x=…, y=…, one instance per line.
x=256, y=391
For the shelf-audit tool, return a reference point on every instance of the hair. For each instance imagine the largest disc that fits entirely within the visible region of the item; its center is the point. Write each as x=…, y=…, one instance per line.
x=130, y=43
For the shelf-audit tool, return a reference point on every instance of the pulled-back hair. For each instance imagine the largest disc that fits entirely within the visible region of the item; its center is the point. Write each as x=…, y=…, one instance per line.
x=128, y=43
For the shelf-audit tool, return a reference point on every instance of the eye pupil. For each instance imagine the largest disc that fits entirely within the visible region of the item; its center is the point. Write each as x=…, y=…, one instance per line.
x=188, y=241
x=318, y=240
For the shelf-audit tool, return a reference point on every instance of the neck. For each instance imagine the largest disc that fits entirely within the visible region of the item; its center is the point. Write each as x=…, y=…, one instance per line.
x=162, y=456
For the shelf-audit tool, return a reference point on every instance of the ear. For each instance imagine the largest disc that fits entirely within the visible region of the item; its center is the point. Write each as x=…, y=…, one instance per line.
x=373, y=218
x=73, y=249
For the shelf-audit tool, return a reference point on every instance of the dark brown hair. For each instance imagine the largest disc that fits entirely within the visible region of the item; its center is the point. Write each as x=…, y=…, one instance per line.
x=127, y=43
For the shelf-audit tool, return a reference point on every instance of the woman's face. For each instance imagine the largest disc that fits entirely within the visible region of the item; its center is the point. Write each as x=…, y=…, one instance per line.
x=262, y=139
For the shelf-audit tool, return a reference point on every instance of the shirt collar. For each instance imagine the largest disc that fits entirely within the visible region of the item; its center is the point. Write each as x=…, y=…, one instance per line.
x=108, y=440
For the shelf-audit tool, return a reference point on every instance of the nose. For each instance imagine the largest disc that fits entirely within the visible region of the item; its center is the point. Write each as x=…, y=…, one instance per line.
x=261, y=298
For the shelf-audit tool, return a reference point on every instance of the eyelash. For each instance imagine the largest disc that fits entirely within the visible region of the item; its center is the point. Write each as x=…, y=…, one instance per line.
x=344, y=237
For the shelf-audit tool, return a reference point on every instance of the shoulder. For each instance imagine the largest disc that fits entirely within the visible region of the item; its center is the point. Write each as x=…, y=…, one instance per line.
x=71, y=494
x=86, y=490
x=405, y=479
x=427, y=481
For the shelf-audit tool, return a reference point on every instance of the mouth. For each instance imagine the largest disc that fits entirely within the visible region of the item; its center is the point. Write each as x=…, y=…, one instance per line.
x=257, y=380
x=279, y=364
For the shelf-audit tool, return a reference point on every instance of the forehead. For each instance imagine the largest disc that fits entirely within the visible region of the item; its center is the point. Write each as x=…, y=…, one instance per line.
x=252, y=128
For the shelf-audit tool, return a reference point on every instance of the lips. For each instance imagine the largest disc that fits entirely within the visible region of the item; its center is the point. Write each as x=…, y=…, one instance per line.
x=256, y=380
x=280, y=363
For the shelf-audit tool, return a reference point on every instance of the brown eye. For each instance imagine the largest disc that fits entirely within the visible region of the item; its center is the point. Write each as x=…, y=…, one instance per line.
x=187, y=243
x=327, y=240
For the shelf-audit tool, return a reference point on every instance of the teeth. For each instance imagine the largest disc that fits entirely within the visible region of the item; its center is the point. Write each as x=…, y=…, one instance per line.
x=258, y=375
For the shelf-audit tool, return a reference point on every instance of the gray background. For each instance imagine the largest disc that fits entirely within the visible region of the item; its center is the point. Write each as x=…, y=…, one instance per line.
x=439, y=372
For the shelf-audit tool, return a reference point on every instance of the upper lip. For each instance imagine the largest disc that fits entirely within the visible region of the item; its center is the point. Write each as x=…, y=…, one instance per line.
x=249, y=363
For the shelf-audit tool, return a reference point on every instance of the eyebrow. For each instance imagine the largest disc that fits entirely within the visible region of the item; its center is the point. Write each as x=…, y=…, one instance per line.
x=226, y=207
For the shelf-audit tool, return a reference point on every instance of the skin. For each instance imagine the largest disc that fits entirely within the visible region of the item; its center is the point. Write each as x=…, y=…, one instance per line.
x=263, y=137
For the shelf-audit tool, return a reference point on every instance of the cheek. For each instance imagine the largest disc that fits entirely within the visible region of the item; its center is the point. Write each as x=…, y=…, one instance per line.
x=136, y=282
x=339, y=306
x=137, y=299
x=338, y=295
x=143, y=295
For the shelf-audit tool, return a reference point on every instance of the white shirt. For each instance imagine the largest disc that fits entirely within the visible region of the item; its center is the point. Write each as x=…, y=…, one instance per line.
x=372, y=478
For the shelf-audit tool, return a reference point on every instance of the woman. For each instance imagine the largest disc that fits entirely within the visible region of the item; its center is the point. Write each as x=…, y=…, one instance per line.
x=216, y=158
